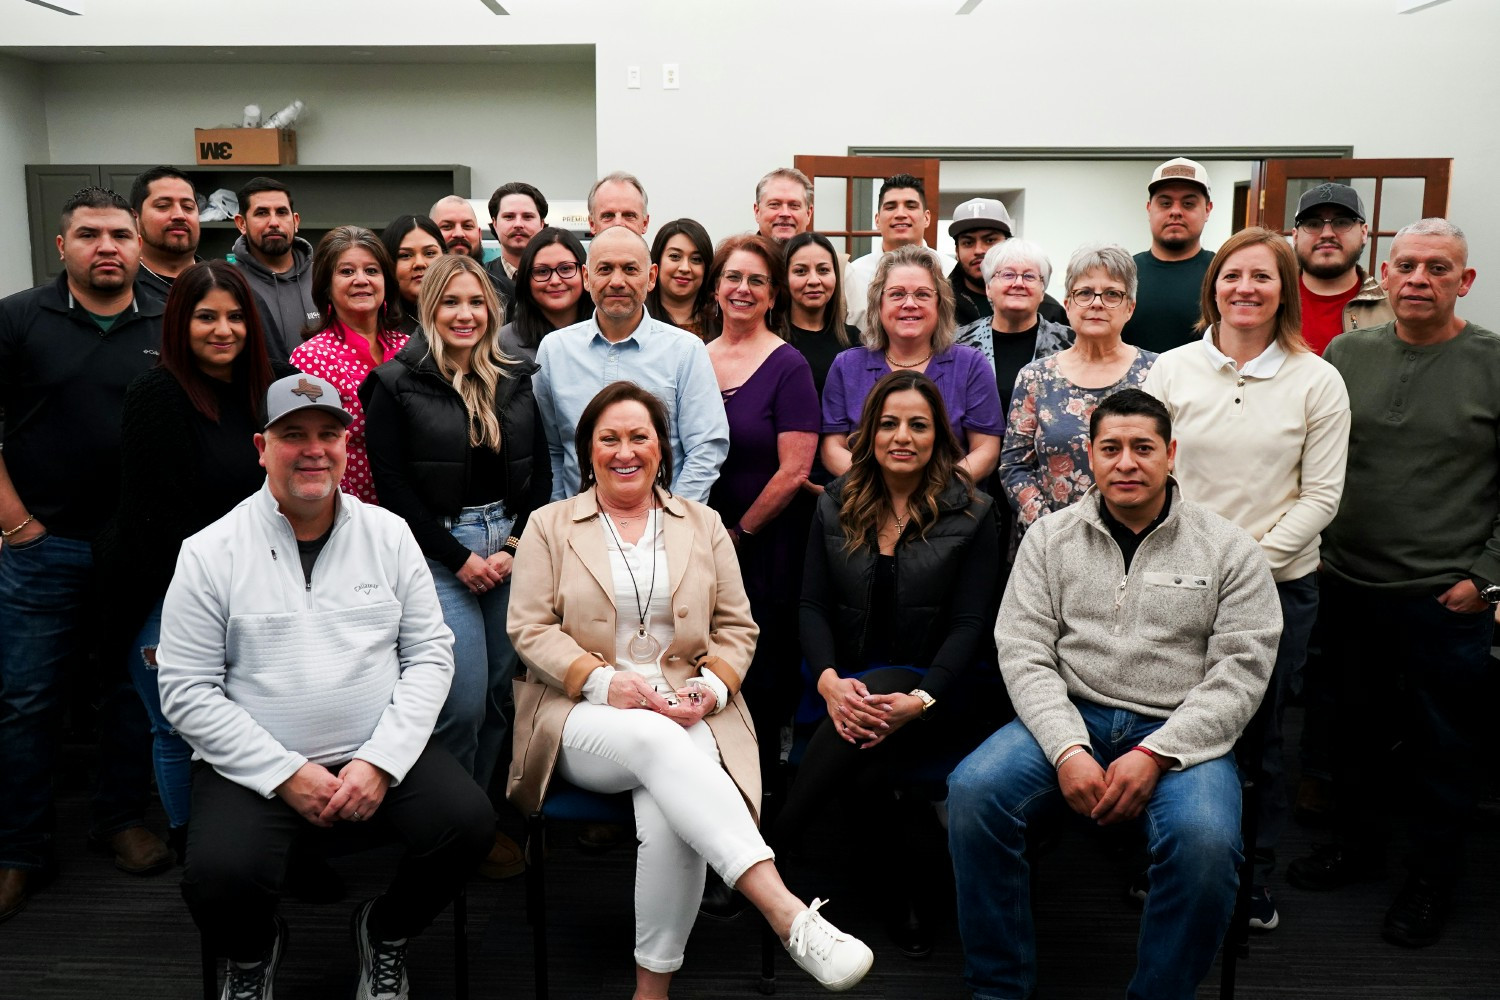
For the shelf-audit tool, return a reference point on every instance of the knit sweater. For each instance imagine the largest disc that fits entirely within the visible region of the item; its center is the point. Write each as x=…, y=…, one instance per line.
x=1188, y=635
x=1263, y=446
x=262, y=671
x=1421, y=506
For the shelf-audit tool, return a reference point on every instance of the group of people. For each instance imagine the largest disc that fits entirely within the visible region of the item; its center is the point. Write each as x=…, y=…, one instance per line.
x=372, y=520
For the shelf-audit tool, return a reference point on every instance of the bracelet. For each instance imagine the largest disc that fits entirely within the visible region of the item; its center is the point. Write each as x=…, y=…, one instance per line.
x=1148, y=753
x=1070, y=755
x=739, y=529
x=12, y=531
x=511, y=544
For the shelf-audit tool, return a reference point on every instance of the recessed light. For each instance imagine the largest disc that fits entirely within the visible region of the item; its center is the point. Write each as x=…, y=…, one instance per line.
x=93, y=52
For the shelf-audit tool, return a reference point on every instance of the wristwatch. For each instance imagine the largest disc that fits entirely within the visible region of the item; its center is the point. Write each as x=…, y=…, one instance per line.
x=1490, y=593
x=926, y=699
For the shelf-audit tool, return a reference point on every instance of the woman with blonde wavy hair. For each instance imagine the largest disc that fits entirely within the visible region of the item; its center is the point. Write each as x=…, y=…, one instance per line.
x=457, y=449
x=898, y=599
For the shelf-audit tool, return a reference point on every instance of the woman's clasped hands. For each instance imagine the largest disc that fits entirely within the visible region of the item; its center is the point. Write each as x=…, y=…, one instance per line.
x=630, y=690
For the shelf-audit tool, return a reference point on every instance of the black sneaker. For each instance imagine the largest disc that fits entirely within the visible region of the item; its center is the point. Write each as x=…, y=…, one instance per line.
x=1416, y=918
x=1333, y=867
x=255, y=982
x=382, y=964
x=1263, y=915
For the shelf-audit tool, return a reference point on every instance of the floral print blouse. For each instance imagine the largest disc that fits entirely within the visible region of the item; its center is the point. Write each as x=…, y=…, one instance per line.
x=1044, y=464
x=343, y=357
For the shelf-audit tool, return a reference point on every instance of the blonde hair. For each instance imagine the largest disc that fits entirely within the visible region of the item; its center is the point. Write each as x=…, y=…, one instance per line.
x=875, y=336
x=487, y=363
x=1288, y=331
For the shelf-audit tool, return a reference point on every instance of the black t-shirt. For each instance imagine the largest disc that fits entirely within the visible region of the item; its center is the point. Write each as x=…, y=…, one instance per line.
x=1128, y=540
x=882, y=610
x=308, y=553
x=486, y=478
x=1168, y=301
x=1013, y=351
x=819, y=349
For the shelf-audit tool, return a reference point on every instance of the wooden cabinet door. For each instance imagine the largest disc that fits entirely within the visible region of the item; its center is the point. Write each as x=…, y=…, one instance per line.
x=857, y=173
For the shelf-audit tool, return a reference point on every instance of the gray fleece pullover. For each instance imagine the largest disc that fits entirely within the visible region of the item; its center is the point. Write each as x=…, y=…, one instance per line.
x=1188, y=635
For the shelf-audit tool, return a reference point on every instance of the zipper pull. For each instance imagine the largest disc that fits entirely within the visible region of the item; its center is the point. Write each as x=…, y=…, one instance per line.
x=273, y=555
x=1120, y=591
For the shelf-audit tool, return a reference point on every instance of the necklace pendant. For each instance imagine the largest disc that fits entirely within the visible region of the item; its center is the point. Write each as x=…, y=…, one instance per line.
x=644, y=647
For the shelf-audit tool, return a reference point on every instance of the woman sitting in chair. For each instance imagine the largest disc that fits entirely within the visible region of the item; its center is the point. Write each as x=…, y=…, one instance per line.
x=898, y=599
x=628, y=611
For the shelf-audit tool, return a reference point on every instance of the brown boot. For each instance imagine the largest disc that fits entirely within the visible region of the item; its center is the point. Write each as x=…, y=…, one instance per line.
x=505, y=859
x=137, y=851
x=13, y=895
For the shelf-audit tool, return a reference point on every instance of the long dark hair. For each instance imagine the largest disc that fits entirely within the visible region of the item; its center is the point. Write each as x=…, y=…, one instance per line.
x=865, y=493
x=620, y=392
x=251, y=370
x=834, y=311
x=703, y=301
x=531, y=324
x=393, y=234
x=334, y=244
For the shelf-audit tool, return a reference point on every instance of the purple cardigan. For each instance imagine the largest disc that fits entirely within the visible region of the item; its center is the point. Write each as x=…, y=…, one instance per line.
x=962, y=374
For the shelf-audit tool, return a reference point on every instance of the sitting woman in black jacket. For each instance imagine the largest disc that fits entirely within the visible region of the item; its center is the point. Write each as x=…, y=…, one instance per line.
x=457, y=449
x=898, y=601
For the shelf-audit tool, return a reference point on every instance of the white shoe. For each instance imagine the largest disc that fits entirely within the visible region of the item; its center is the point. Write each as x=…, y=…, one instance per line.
x=255, y=982
x=835, y=959
x=382, y=965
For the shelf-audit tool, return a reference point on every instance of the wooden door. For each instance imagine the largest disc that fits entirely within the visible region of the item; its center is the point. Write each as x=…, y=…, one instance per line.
x=1396, y=193
x=857, y=174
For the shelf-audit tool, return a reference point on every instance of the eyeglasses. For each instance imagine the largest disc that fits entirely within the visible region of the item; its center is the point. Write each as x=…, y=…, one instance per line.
x=1084, y=297
x=541, y=273
x=924, y=296
x=733, y=278
x=1025, y=277
x=1341, y=224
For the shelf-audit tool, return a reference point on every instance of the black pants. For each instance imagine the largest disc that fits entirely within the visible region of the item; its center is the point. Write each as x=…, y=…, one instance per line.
x=1409, y=672
x=238, y=844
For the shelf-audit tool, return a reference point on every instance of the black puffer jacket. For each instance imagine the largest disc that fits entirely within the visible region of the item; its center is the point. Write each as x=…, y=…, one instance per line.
x=945, y=590
x=418, y=436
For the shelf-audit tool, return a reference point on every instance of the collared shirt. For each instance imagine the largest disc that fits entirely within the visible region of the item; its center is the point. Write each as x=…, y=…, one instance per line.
x=1264, y=365
x=1127, y=538
x=577, y=361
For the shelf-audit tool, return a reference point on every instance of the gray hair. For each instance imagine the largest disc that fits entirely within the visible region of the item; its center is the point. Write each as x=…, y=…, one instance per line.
x=1014, y=253
x=911, y=255
x=1111, y=258
x=785, y=174
x=618, y=177
x=1436, y=226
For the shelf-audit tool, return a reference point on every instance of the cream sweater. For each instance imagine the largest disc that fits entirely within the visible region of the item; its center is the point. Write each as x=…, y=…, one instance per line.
x=1264, y=447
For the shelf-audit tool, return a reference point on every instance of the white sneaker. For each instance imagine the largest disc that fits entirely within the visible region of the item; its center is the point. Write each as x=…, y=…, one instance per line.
x=382, y=964
x=835, y=959
x=255, y=982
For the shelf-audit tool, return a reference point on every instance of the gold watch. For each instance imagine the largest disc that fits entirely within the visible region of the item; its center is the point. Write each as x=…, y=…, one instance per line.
x=926, y=699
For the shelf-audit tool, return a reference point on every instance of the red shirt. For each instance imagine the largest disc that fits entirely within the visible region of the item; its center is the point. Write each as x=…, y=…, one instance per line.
x=1323, y=316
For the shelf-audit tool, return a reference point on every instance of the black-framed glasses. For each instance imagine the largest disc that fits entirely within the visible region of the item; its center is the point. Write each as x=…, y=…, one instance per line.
x=1341, y=224
x=1084, y=297
x=541, y=273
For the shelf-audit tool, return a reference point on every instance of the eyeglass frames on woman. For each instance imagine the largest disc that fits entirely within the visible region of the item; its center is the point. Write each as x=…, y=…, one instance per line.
x=1084, y=297
x=541, y=273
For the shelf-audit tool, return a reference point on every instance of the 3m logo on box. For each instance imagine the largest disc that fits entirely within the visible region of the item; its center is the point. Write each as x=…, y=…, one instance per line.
x=215, y=150
x=254, y=146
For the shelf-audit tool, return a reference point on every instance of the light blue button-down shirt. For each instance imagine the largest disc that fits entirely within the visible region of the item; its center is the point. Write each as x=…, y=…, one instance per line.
x=577, y=361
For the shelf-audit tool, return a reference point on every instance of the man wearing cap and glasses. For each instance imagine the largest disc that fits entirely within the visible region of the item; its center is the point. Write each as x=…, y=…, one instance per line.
x=1167, y=304
x=977, y=225
x=304, y=658
x=1337, y=295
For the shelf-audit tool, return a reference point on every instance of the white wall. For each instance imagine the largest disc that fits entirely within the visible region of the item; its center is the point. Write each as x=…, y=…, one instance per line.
x=763, y=82
x=1064, y=204
x=23, y=140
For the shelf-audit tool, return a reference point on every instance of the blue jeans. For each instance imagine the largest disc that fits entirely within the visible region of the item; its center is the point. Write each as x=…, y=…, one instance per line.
x=44, y=626
x=1192, y=827
x=475, y=721
x=1299, y=608
x=170, y=754
x=1414, y=674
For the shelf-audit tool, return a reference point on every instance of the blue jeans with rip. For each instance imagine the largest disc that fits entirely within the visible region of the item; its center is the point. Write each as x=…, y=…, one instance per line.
x=170, y=755
x=1192, y=827
x=474, y=724
x=45, y=587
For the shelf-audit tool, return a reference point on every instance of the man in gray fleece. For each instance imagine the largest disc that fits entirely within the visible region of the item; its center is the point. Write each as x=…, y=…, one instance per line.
x=1136, y=639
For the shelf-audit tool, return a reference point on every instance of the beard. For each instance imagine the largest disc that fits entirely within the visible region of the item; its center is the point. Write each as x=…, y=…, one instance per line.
x=273, y=245
x=107, y=281
x=1174, y=244
x=172, y=242
x=459, y=245
x=1328, y=270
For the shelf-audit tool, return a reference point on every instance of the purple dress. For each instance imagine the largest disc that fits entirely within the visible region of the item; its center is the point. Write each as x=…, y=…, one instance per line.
x=964, y=379
x=779, y=396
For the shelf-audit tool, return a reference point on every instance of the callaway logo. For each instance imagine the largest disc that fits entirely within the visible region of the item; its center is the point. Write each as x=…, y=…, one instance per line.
x=365, y=588
x=309, y=389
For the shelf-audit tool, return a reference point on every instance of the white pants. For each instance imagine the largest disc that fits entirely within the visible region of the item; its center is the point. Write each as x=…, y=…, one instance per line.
x=687, y=811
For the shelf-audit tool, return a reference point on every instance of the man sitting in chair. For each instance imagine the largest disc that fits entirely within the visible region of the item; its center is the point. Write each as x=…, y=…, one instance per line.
x=304, y=658
x=1136, y=638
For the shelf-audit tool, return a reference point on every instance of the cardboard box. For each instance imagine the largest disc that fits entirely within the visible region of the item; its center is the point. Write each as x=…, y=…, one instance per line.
x=252, y=146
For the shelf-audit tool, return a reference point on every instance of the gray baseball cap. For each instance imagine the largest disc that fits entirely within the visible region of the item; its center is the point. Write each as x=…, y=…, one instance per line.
x=1338, y=195
x=981, y=213
x=303, y=392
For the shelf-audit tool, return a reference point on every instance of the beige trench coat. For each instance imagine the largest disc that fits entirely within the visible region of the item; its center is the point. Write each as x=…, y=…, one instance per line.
x=562, y=622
